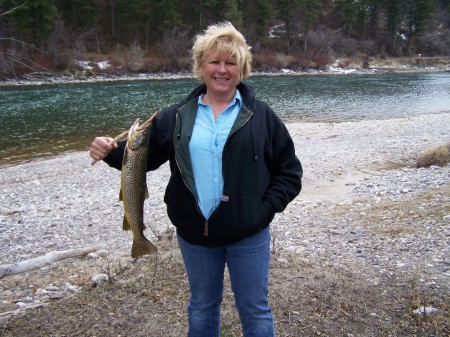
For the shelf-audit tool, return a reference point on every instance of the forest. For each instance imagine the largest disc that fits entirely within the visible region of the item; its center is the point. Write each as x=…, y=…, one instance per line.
x=156, y=35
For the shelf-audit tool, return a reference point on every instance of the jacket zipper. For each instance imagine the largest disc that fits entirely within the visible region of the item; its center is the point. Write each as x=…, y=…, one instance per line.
x=206, y=228
x=205, y=231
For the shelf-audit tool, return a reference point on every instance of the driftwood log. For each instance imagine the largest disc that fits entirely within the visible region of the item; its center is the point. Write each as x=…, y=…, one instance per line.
x=39, y=262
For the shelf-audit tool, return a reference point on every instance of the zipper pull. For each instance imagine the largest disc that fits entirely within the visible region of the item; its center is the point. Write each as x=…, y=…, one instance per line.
x=205, y=231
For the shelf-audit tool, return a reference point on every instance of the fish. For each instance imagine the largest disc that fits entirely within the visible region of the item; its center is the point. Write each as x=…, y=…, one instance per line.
x=133, y=187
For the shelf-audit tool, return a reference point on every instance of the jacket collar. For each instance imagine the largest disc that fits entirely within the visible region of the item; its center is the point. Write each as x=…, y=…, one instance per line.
x=247, y=92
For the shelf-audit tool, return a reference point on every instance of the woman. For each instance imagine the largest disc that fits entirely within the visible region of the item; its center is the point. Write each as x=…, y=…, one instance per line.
x=233, y=166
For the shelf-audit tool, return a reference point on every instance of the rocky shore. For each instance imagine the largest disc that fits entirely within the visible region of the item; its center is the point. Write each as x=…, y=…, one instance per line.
x=363, y=207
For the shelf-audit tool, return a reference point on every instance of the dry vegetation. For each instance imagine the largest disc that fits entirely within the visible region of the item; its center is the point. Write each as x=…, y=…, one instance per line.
x=439, y=156
x=148, y=297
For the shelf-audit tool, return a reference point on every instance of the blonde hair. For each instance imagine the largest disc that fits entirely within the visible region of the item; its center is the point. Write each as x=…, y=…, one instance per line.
x=226, y=39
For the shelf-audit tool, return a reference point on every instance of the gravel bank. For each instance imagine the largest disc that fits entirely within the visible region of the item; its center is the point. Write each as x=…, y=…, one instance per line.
x=356, y=185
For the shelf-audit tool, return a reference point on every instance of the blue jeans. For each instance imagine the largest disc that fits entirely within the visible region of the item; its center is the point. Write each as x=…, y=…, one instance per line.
x=248, y=264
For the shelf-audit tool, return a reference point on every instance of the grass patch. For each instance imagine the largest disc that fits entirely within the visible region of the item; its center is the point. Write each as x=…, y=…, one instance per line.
x=438, y=156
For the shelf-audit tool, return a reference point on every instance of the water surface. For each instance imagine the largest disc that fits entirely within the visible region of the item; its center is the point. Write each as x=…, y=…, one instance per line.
x=49, y=119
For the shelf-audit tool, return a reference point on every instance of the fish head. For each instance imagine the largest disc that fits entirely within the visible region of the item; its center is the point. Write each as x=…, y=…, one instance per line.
x=137, y=137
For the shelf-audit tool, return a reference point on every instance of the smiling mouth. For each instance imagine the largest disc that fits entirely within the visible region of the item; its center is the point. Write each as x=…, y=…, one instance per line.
x=222, y=80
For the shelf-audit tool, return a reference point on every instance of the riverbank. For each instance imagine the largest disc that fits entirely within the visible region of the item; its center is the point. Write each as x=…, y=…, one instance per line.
x=339, y=67
x=366, y=225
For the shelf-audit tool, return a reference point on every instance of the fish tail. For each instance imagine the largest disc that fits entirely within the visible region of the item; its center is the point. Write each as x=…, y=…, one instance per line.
x=142, y=246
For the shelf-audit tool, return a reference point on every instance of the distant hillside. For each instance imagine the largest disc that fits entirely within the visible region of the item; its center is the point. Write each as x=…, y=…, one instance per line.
x=156, y=36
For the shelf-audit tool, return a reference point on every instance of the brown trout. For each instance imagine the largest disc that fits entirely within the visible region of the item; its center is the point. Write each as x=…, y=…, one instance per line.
x=133, y=187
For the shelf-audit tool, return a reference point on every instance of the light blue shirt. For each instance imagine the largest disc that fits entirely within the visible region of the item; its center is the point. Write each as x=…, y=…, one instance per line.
x=206, y=147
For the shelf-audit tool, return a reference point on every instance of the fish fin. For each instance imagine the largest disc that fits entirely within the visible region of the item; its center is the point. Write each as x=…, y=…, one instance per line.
x=142, y=246
x=124, y=160
x=120, y=195
x=126, y=225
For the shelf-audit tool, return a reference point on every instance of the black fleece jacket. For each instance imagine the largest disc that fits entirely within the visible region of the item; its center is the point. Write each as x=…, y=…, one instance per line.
x=260, y=170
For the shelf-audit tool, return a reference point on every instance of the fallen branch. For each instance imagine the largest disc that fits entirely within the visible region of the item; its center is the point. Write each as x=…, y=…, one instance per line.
x=5, y=315
x=39, y=262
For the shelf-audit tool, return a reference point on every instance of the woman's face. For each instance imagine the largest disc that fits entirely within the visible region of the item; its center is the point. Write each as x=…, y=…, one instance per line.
x=221, y=73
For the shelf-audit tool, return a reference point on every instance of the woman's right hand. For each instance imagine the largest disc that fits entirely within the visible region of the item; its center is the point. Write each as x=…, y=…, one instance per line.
x=100, y=147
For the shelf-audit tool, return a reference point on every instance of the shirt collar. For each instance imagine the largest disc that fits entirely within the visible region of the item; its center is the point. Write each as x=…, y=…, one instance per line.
x=236, y=100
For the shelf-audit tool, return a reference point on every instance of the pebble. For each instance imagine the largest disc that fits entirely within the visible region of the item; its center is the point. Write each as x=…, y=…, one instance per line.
x=21, y=305
x=92, y=256
x=425, y=311
x=102, y=253
x=71, y=288
x=100, y=279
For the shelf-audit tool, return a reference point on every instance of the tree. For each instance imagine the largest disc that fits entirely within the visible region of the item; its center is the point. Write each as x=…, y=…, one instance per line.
x=83, y=34
x=43, y=31
x=311, y=10
x=409, y=19
x=263, y=14
x=233, y=13
x=445, y=10
x=348, y=10
x=419, y=18
x=14, y=53
x=34, y=20
x=198, y=14
x=287, y=11
x=393, y=10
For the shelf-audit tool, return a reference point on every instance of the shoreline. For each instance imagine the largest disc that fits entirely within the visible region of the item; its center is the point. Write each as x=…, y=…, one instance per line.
x=295, y=125
x=48, y=78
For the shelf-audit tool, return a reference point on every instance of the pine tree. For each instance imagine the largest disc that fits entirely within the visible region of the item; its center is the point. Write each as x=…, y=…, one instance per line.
x=311, y=10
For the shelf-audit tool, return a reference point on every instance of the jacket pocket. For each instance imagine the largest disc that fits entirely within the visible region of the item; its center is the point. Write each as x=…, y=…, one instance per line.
x=241, y=213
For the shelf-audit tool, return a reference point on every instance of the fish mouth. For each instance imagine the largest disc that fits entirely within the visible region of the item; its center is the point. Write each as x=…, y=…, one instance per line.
x=139, y=128
x=134, y=127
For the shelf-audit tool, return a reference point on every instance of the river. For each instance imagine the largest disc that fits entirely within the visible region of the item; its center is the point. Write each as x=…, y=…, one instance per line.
x=46, y=120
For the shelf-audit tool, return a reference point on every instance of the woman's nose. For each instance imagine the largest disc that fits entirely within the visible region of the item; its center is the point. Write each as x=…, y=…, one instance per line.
x=222, y=66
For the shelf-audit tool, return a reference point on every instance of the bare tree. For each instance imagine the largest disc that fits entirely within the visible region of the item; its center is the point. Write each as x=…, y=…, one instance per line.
x=14, y=53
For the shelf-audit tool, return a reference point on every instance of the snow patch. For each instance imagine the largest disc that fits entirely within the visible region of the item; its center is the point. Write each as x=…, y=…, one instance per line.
x=87, y=65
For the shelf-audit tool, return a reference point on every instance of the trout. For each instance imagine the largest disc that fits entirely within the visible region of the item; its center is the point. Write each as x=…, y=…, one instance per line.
x=133, y=187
